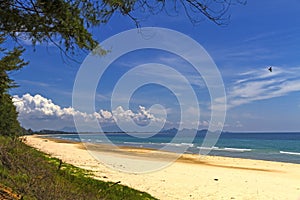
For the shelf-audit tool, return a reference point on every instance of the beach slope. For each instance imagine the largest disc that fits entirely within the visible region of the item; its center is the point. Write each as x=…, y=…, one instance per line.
x=190, y=177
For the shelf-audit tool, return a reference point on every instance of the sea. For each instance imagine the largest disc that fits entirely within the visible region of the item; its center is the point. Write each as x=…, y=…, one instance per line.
x=277, y=146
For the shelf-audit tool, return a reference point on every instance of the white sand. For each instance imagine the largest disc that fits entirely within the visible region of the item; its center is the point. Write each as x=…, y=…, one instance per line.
x=189, y=178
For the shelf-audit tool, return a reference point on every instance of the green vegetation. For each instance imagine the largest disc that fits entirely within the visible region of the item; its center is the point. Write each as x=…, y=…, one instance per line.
x=10, y=61
x=34, y=175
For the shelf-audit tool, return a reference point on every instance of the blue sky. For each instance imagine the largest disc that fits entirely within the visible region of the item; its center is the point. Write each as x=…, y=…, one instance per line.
x=259, y=34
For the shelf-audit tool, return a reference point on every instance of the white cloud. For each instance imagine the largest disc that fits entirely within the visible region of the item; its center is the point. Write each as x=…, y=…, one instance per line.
x=262, y=84
x=105, y=114
x=38, y=112
x=238, y=124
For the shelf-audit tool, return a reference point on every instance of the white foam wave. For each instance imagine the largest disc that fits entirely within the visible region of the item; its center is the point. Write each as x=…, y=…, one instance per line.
x=237, y=149
x=290, y=153
x=136, y=143
x=208, y=148
x=164, y=144
x=225, y=149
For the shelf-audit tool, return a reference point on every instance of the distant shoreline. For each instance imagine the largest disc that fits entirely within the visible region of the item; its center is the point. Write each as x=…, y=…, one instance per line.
x=129, y=149
x=166, y=131
x=279, y=147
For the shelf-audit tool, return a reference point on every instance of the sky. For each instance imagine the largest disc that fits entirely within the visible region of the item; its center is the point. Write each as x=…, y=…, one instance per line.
x=259, y=34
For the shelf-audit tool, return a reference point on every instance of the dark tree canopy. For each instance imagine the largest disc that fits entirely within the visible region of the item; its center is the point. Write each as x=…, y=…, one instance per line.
x=66, y=22
x=9, y=125
x=10, y=61
x=49, y=21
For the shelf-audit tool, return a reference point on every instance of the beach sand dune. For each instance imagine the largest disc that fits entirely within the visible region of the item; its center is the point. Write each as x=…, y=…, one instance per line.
x=190, y=177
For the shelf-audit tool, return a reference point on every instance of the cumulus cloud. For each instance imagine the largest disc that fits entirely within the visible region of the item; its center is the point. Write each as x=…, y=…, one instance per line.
x=38, y=112
x=142, y=117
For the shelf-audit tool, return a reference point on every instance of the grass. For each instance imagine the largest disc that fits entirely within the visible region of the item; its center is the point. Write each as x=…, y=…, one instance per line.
x=35, y=175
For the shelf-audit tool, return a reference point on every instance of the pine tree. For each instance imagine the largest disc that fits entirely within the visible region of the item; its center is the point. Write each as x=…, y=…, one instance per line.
x=10, y=61
x=9, y=125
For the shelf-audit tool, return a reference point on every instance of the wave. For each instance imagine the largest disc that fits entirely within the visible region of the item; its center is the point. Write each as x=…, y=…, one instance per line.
x=225, y=149
x=290, y=153
x=187, y=144
x=137, y=143
x=208, y=148
x=237, y=149
x=160, y=144
x=68, y=138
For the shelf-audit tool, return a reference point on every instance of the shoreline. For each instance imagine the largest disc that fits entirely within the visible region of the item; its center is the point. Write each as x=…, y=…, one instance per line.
x=227, y=150
x=286, y=151
x=210, y=177
x=127, y=150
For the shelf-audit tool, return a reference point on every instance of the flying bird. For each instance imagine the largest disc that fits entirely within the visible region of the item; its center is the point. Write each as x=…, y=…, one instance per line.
x=270, y=69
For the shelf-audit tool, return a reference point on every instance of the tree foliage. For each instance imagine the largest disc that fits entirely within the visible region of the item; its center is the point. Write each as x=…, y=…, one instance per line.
x=62, y=22
x=10, y=61
x=214, y=10
x=66, y=23
x=9, y=125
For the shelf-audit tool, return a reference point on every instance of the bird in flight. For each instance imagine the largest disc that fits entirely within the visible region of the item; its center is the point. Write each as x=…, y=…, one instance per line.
x=270, y=69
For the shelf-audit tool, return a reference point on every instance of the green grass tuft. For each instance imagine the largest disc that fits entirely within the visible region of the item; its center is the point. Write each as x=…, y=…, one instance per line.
x=35, y=175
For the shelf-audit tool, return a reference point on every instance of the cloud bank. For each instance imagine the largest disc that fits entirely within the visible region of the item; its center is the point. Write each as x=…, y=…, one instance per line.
x=38, y=112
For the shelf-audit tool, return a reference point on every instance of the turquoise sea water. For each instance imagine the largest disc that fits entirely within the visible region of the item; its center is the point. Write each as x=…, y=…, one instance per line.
x=283, y=147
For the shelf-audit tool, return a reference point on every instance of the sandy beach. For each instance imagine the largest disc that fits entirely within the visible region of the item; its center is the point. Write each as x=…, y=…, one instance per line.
x=189, y=177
